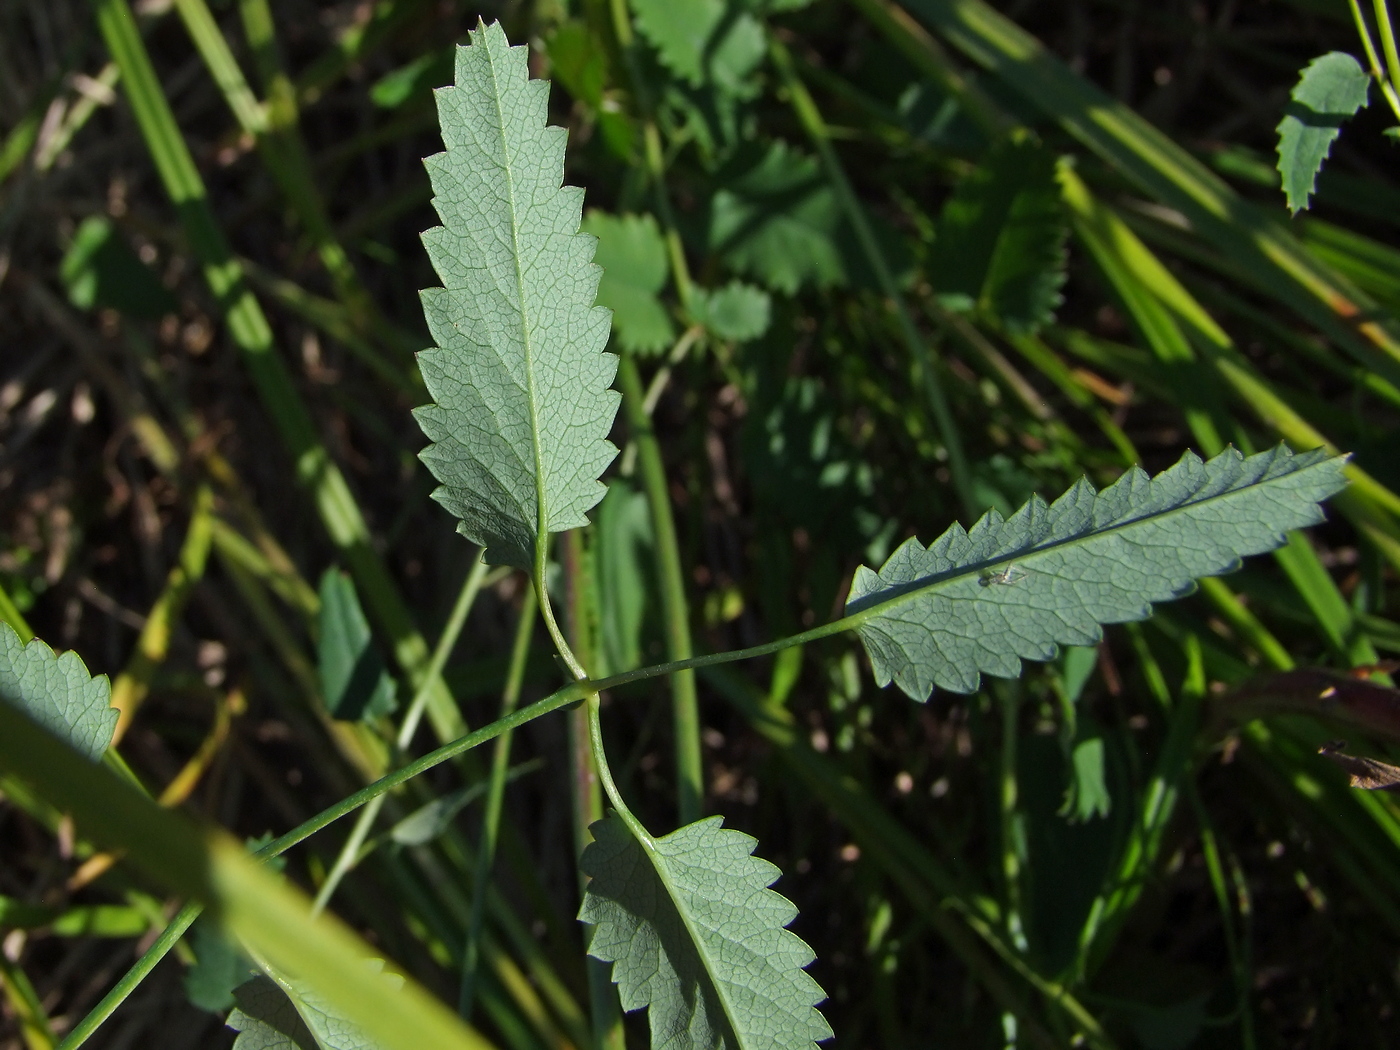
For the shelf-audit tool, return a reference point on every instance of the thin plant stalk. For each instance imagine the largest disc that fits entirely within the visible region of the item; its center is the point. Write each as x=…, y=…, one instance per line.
x=685, y=712
x=349, y=854
x=491, y=817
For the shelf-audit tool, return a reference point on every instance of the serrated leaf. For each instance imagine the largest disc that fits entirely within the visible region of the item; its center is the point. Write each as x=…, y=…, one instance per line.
x=697, y=938
x=57, y=692
x=1330, y=90
x=1001, y=238
x=519, y=378
x=776, y=219
x=980, y=601
x=633, y=257
x=738, y=311
x=354, y=682
x=265, y=1019
x=283, y=1014
x=704, y=41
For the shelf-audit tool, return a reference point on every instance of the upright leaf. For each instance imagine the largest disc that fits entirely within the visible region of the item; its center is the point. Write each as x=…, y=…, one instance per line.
x=57, y=692
x=978, y=602
x=697, y=937
x=354, y=682
x=1001, y=238
x=1331, y=89
x=519, y=377
x=633, y=257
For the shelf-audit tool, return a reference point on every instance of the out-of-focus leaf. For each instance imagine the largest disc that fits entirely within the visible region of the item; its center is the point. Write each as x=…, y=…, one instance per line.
x=419, y=77
x=633, y=257
x=714, y=42
x=431, y=819
x=1087, y=795
x=578, y=61
x=100, y=270
x=219, y=968
x=354, y=682
x=775, y=219
x=1001, y=238
x=738, y=311
x=623, y=563
x=697, y=938
x=57, y=692
x=1066, y=861
x=1330, y=90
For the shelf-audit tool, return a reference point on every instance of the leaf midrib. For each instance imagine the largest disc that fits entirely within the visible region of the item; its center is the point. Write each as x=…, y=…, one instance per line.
x=916, y=589
x=657, y=859
x=541, y=510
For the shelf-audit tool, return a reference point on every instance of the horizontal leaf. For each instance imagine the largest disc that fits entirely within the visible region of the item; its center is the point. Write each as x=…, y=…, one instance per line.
x=697, y=937
x=1331, y=89
x=519, y=376
x=57, y=692
x=980, y=601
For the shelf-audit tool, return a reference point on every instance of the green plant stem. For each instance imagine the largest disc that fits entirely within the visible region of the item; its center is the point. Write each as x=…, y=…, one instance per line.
x=815, y=126
x=1239, y=963
x=349, y=854
x=1374, y=59
x=250, y=331
x=1387, y=32
x=585, y=793
x=652, y=153
x=495, y=796
x=685, y=710
x=1010, y=702
x=12, y=616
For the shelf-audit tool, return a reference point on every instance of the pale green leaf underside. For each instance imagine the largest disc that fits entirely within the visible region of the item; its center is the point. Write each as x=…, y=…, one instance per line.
x=696, y=936
x=1331, y=89
x=284, y=1015
x=980, y=602
x=519, y=375
x=57, y=692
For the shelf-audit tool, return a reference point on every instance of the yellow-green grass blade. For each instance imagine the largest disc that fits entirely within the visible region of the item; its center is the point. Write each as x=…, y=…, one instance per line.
x=249, y=328
x=268, y=915
x=1169, y=174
